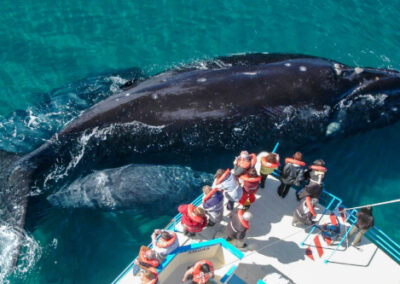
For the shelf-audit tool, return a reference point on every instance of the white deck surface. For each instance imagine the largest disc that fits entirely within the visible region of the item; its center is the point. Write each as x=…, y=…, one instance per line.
x=274, y=247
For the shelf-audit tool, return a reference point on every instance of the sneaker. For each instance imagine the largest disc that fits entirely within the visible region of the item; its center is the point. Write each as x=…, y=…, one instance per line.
x=228, y=239
x=210, y=224
x=244, y=245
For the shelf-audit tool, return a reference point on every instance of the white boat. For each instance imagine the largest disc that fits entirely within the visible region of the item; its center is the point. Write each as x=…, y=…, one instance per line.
x=278, y=252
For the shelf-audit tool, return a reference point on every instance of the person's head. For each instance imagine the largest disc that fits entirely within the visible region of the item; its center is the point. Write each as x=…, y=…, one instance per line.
x=206, y=189
x=298, y=156
x=205, y=268
x=319, y=162
x=150, y=254
x=252, y=172
x=272, y=158
x=244, y=155
x=147, y=276
x=199, y=211
x=219, y=173
x=247, y=216
x=366, y=210
x=166, y=235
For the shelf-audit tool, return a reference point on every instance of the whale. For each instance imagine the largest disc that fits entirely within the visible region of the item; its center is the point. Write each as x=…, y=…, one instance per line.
x=225, y=104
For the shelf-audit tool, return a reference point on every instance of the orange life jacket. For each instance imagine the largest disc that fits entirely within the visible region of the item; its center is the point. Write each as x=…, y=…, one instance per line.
x=318, y=168
x=294, y=161
x=247, y=163
x=214, y=190
x=151, y=262
x=250, y=183
x=267, y=164
x=164, y=243
x=199, y=276
x=309, y=205
x=245, y=223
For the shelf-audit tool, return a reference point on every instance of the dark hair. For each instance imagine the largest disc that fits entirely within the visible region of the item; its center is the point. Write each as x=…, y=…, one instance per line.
x=319, y=162
x=252, y=172
x=149, y=274
x=205, y=268
x=219, y=173
x=272, y=158
x=166, y=236
x=367, y=210
x=298, y=156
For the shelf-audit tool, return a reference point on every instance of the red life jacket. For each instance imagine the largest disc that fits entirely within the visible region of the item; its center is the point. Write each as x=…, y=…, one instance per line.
x=151, y=262
x=214, y=190
x=199, y=276
x=187, y=221
x=192, y=215
x=250, y=184
x=318, y=168
x=296, y=162
x=245, y=223
x=164, y=243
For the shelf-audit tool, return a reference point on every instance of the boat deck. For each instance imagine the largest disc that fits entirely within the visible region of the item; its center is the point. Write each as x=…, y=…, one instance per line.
x=277, y=251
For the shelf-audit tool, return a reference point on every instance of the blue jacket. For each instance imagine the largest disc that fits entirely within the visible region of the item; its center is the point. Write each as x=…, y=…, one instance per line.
x=215, y=203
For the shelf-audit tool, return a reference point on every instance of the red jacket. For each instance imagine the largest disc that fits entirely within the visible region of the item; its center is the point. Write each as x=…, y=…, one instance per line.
x=188, y=223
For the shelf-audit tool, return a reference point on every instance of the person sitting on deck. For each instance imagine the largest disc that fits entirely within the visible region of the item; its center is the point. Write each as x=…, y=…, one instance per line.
x=213, y=205
x=314, y=176
x=149, y=276
x=238, y=227
x=365, y=220
x=269, y=163
x=304, y=213
x=243, y=163
x=292, y=173
x=147, y=258
x=227, y=182
x=193, y=219
x=199, y=273
x=250, y=183
x=166, y=243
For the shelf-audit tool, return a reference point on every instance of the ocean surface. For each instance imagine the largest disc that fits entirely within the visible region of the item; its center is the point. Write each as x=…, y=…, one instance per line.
x=59, y=57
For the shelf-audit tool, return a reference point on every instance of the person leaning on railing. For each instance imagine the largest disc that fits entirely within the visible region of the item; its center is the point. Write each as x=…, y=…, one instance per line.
x=165, y=244
x=365, y=220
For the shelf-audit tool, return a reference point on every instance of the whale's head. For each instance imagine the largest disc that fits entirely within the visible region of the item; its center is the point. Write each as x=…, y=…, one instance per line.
x=373, y=102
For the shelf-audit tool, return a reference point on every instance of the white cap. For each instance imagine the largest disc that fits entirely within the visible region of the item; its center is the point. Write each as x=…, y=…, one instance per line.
x=247, y=216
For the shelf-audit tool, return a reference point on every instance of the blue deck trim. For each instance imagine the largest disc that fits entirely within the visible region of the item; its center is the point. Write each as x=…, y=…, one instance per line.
x=261, y=282
x=228, y=274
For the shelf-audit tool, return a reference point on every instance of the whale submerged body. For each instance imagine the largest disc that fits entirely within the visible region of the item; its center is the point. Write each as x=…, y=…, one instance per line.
x=229, y=103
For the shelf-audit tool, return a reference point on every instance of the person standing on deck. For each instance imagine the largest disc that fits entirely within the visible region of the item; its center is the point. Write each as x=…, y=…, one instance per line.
x=269, y=163
x=314, y=176
x=166, y=243
x=243, y=163
x=250, y=183
x=365, y=220
x=291, y=174
x=238, y=226
x=214, y=205
x=227, y=182
x=199, y=273
x=305, y=212
x=193, y=219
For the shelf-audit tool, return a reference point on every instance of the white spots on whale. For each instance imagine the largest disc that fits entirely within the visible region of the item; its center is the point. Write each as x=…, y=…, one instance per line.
x=154, y=96
x=303, y=68
x=127, y=94
x=337, y=69
x=358, y=70
x=117, y=99
x=201, y=80
x=332, y=128
x=237, y=129
x=249, y=73
x=288, y=64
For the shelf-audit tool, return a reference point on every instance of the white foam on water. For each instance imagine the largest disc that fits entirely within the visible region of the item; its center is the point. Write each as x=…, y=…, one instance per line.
x=30, y=251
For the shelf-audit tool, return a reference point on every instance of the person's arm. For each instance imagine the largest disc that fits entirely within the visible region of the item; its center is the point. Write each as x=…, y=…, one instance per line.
x=310, y=207
x=187, y=273
x=299, y=177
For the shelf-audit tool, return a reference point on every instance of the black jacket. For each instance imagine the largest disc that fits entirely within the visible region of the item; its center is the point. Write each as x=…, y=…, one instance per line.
x=292, y=174
x=365, y=220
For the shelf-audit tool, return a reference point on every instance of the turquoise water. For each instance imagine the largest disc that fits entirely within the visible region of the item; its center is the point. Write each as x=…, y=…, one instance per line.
x=52, y=52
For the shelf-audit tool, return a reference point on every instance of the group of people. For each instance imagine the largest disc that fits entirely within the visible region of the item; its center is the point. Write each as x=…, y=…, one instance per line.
x=240, y=185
